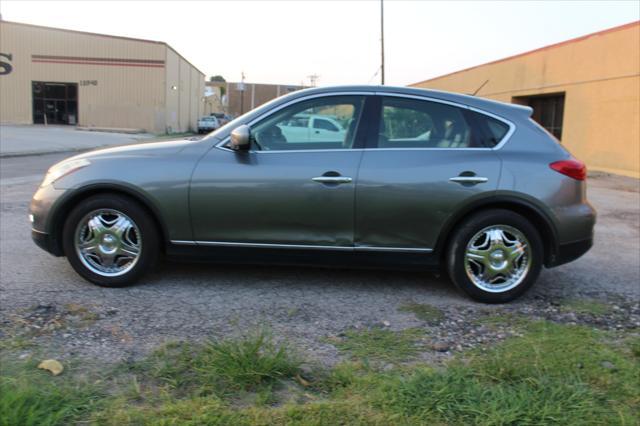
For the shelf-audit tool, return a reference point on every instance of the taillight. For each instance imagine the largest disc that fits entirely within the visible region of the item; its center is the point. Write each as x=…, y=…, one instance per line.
x=573, y=168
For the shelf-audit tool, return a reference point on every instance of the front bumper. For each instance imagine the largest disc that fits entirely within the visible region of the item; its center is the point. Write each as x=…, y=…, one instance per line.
x=45, y=242
x=40, y=210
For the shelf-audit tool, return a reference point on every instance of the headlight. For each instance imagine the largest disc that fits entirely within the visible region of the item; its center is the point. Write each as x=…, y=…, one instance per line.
x=63, y=169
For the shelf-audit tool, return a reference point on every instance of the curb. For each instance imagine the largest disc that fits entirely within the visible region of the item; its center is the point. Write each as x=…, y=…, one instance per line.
x=34, y=153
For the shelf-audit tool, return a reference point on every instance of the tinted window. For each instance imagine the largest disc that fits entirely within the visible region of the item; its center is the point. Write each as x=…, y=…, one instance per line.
x=287, y=129
x=493, y=131
x=409, y=123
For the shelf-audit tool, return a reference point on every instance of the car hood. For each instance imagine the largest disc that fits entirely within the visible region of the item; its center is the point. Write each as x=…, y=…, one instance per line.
x=144, y=149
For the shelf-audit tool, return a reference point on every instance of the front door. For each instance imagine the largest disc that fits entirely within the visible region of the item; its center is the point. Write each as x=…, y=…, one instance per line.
x=429, y=158
x=54, y=103
x=288, y=189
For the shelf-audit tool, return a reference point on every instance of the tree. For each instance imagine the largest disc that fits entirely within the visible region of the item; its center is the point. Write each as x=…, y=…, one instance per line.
x=217, y=78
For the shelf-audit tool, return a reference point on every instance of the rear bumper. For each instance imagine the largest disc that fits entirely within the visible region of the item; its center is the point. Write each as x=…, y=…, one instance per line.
x=569, y=252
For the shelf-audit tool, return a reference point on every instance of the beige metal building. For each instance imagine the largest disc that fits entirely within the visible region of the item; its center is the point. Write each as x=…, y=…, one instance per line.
x=57, y=76
x=586, y=91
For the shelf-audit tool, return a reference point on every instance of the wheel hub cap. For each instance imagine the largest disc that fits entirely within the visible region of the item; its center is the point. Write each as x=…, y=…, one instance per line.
x=498, y=258
x=108, y=242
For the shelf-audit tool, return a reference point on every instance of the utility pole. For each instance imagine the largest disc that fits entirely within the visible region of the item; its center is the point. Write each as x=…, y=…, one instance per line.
x=313, y=78
x=382, y=41
x=241, y=89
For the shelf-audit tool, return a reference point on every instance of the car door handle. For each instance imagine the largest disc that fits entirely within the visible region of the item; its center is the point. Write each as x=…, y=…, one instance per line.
x=332, y=179
x=469, y=179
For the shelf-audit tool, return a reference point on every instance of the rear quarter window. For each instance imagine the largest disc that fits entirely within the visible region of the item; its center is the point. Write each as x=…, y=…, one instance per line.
x=493, y=130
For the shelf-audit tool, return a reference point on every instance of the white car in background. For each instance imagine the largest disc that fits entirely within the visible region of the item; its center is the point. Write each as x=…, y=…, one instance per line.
x=313, y=128
x=208, y=124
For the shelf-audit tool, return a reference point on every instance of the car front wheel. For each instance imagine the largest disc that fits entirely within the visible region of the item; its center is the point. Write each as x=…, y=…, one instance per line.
x=110, y=240
x=495, y=256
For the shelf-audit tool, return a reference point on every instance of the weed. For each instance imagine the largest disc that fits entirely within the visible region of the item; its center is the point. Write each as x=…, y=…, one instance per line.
x=380, y=344
x=32, y=397
x=225, y=366
x=427, y=313
x=554, y=374
x=583, y=306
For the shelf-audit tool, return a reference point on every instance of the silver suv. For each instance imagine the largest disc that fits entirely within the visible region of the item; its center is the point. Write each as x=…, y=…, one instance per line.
x=418, y=178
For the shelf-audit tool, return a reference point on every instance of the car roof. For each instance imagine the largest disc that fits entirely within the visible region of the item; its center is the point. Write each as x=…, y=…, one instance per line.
x=490, y=105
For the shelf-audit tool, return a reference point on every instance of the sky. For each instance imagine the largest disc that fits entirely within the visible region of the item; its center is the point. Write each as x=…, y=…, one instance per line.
x=285, y=42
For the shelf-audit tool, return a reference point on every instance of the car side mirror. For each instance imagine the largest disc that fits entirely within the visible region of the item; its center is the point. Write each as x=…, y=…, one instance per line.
x=241, y=137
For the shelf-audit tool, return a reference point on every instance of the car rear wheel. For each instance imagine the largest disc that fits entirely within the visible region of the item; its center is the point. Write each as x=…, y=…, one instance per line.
x=495, y=256
x=110, y=240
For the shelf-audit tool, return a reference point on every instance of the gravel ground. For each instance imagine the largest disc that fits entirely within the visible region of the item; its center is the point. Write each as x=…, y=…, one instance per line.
x=43, y=300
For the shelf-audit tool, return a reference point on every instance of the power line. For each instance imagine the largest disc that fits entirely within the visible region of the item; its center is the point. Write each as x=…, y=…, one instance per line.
x=374, y=75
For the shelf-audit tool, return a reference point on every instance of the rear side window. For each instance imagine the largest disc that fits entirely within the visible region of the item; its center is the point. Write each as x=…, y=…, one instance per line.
x=492, y=130
x=412, y=123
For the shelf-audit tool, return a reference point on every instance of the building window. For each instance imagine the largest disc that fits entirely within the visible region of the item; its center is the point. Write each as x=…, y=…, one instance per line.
x=548, y=111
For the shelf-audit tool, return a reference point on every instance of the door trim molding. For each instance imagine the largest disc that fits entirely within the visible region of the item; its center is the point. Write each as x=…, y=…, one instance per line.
x=299, y=246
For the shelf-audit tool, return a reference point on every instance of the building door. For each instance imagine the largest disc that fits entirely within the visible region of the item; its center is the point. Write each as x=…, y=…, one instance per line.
x=55, y=103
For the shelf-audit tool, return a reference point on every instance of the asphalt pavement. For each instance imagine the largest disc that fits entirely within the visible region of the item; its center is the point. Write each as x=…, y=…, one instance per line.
x=305, y=305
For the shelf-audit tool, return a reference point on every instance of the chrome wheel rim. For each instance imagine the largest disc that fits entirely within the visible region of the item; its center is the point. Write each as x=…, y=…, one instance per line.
x=498, y=258
x=108, y=242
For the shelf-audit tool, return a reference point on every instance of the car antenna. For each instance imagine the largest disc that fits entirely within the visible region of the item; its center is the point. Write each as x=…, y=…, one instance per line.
x=481, y=86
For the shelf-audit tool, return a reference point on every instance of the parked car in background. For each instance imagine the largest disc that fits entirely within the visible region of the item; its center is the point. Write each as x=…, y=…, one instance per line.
x=222, y=118
x=313, y=127
x=208, y=124
x=420, y=179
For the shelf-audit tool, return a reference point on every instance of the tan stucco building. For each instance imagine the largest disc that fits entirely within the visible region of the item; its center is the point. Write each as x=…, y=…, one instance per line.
x=586, y=91
x=61, y=76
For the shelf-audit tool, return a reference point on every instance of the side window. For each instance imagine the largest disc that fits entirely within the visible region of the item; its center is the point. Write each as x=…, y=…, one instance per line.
x=409, y=123
x=288, y=128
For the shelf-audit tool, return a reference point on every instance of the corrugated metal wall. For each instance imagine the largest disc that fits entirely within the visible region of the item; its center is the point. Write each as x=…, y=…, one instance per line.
x=122, y=83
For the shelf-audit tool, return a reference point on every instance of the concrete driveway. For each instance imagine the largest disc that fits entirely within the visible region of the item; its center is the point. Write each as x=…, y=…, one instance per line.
x=43, y=295
x=38, y=139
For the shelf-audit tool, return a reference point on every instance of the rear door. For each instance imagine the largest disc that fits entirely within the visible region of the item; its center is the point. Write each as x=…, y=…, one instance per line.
x=425, y=160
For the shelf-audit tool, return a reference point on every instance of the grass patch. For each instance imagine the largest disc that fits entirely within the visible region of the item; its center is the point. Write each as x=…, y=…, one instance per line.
x=584, y=306
x=496, y=320
x=221, y=367
x=554, y=374
x=377, y=344
x=427, y=313
x=15, y=343
x=29, y=396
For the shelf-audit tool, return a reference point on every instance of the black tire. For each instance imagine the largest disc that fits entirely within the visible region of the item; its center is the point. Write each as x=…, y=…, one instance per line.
x=149, y=238
x=462, y=236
